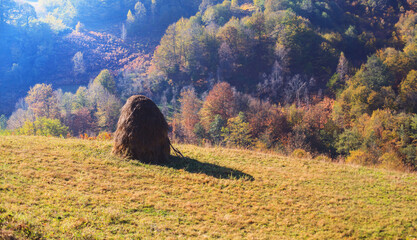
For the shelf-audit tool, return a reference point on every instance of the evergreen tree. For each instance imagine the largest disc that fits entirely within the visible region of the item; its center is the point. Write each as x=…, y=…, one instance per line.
x=130, y=18
x=3, y=122
x=215, y=130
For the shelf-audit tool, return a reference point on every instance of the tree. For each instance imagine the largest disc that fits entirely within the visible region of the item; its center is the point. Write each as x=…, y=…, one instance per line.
x=342, y=68
x=258, y=116
x=19, y=117
x=218, y=14
x=408, y=92
x=166, y=57
x=294, y=89
x=227, y=59
x=80, y=99
x=375, y=4
x=130, y=18
x=205, y=4
x=260, y=4
x=307, y=5
x=190, y=106
x=219, y=101
x=79, y=27
x=3, y=122
x=399, y=63
x=106, y=105
x=375, y=74
x=65, y=102
x=271, y=87
x=82, y=122
x=44, y=127
x=215, y=130
x=140, y=11
x=106, y=79
x=237, y=132
x=124, y=32
x=79, y=66
x=339, y=79
x=42, y=101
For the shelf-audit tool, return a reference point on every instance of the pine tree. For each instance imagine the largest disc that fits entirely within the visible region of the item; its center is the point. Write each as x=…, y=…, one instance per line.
x=130, y=18
x=3, y=122
x=215, y=130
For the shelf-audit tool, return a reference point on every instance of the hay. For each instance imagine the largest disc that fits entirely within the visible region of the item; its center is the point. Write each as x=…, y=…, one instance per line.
x=142, y=132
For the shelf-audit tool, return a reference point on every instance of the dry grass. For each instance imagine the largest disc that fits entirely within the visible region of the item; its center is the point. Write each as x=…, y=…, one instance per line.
x=74, y=189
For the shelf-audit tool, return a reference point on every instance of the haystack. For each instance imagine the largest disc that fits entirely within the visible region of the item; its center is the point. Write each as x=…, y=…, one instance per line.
x=142, y=132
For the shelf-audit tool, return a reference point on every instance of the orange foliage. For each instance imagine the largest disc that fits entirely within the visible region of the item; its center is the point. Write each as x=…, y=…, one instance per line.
x=190, y=106
x=220, y=101
x=318, y=115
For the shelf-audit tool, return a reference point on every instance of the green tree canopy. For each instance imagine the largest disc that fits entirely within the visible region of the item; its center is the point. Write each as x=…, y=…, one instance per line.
x=106, y=79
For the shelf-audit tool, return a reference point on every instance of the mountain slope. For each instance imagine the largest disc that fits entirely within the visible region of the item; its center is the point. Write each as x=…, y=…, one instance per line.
x=71, y=188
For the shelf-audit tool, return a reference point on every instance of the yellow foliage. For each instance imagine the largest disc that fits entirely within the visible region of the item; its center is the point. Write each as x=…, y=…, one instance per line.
x=390, y=160
x=323, y=158
x=300, y=153
x=358, y=157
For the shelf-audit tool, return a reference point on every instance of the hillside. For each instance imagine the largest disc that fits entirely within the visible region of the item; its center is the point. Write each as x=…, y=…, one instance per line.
x=68, y=188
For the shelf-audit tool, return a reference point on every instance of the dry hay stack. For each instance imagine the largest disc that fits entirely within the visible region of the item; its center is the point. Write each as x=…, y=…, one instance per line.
x=142, y=132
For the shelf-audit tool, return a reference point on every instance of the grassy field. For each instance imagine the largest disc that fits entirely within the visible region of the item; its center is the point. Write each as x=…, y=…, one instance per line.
x=74, y=189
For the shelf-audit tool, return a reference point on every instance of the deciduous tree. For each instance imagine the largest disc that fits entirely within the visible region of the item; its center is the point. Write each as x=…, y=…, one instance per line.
x=219, y=101
x=190, y=106
x=42, y=101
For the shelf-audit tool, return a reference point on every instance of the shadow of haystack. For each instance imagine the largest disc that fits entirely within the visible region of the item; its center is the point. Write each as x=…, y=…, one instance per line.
x=213, y=170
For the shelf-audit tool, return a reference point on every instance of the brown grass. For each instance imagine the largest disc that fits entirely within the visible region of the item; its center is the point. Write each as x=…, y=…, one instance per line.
x=74, y=189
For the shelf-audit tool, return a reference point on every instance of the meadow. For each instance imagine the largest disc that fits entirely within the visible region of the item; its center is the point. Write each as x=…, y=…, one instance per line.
x=54, y=188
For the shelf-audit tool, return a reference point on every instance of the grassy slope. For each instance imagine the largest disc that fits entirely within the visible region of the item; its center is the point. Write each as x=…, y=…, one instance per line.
x=69, y=188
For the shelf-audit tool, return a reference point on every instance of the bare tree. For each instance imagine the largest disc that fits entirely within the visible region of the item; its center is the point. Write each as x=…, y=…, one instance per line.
x=19, y=117
x=79, y=66
x=124, y=32
x=164, y=103
x=272, y=85
x=342, y=68
x=294, y=89
x=227, y=59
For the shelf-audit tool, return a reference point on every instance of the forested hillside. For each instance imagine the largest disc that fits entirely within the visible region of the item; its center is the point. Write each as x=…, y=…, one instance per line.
x=331, y=77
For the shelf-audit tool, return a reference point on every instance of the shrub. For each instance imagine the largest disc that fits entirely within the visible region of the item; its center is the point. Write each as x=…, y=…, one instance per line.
x=104, y=136
x=390, y=160
x=410, y=156
x=359, y=157
x=300, y=153
x=43, y=127
x=323, y=158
